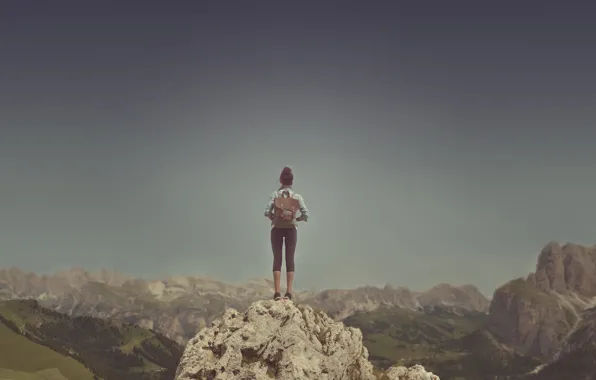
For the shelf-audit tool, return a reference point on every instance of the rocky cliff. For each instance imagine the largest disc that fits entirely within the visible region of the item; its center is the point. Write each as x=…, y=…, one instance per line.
x=535, y=315
x=278, y=340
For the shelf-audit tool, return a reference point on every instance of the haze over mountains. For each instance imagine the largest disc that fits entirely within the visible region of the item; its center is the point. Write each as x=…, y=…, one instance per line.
x=178, y=306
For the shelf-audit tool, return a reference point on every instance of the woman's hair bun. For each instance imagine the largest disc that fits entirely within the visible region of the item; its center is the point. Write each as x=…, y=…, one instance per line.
x=286, y=177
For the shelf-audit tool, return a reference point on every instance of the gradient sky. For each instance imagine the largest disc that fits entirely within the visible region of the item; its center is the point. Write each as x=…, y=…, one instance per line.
x=432, y=143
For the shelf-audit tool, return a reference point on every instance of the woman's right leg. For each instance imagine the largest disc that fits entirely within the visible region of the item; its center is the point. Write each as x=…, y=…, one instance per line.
x=277, y=241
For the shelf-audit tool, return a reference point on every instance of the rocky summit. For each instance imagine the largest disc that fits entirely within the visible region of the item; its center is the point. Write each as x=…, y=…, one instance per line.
x=279, y=340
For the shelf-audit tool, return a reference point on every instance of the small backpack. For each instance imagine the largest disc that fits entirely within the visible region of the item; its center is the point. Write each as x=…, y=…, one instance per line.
x=286, y=207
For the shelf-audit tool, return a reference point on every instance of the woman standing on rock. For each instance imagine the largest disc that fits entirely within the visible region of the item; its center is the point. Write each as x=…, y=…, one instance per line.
x=281, y=210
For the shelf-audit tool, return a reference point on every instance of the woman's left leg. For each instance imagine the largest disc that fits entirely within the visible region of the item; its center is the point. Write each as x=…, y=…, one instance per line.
x=290, y=243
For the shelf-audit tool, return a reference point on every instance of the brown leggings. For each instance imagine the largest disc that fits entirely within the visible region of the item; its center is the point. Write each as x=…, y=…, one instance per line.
x=277, y=241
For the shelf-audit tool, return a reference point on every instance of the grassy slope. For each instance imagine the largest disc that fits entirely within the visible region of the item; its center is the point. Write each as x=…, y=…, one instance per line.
x=111, y=350
x=479, y=356
x=47, y=374
x=400, y=335
x=20, y=356
x=454, y=347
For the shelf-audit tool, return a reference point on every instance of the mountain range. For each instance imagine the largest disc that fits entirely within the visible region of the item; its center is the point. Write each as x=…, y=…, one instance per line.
x=542, y=326
x=178, y=306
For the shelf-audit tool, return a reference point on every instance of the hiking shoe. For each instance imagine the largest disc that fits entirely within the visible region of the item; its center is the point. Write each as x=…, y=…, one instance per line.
x=288, y=296
x=277, y=296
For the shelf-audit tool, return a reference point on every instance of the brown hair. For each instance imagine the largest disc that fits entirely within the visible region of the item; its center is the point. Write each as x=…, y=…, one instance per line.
x=286, y=178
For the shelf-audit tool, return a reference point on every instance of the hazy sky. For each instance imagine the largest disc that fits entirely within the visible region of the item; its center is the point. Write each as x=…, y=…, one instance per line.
x=432, y=143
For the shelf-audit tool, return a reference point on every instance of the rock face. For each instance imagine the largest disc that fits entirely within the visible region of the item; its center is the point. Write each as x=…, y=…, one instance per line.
x=583, y=334
x=577, y=358
x=277, y=340
x=532, y=322
x=535, y=315
x=568, y=268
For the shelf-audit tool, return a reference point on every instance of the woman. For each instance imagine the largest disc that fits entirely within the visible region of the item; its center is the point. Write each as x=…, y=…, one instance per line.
x=284, y=229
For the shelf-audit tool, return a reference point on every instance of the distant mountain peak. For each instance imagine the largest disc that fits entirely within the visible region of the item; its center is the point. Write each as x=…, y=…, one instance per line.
x=567, y=268
x=535, y=314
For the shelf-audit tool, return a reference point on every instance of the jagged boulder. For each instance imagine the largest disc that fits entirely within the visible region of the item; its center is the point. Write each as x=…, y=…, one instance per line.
x=277, y=340
x=416, y=372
